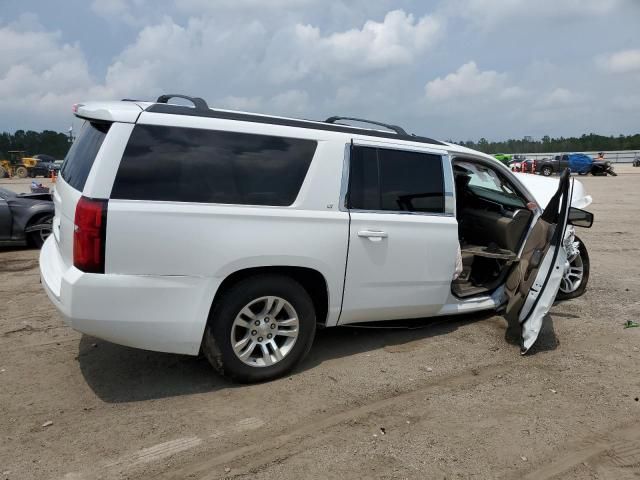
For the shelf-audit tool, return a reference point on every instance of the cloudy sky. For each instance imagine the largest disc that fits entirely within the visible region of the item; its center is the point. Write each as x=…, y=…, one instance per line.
x=453, y=69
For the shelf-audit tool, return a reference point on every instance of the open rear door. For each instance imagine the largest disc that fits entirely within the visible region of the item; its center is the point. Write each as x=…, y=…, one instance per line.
x=533, y=284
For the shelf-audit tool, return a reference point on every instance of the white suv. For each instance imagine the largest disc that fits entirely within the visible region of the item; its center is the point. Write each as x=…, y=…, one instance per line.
x=187, y=229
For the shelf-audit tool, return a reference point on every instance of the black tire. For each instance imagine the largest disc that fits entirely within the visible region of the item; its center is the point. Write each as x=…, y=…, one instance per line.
x=546, y=171
x=3, y=172
x=22, y=172
x=584, y=254
x=36, y=239
x=216, y=344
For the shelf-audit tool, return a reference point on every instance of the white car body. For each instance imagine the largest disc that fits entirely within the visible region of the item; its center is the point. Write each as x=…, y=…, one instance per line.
x=165, y=260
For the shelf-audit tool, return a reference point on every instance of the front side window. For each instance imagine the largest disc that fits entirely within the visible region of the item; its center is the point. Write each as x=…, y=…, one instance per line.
x=210, y=166
x=395, y=180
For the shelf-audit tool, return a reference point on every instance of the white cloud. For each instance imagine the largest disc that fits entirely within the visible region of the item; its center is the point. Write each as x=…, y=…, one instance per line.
x=489, y=13
x=397, y=40
x=624, y=61
x=40, y=74
x=468, y=81
x=561, y=97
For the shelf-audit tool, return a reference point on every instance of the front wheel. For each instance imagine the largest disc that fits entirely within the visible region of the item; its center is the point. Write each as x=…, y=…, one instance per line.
x=574, y=282
x=260, y=329
x=22, y=172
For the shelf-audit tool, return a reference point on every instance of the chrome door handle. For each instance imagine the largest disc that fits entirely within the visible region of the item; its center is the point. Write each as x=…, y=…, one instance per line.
x=373, y=235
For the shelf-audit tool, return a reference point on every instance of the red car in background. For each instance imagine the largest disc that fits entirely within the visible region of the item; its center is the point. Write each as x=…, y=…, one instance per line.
x=524, y=166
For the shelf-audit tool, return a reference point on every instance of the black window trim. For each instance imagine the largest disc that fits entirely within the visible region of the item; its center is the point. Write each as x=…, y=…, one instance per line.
x=446, y=174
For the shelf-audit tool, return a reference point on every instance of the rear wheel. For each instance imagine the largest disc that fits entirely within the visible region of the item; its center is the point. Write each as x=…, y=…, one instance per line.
x=260, y=329
x=3, y=172
x=546, y=171
x=574, y=282
x=22, y=172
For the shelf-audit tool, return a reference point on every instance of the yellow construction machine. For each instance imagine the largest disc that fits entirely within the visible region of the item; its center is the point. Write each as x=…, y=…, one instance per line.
x=18, y=165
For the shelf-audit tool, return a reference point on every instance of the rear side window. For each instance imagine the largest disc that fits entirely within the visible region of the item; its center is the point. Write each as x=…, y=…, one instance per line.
x=395, y=180
x=208, y=166
x=79, y=160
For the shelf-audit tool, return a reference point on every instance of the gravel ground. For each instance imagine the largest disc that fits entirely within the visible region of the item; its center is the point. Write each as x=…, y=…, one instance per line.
x=449, y=398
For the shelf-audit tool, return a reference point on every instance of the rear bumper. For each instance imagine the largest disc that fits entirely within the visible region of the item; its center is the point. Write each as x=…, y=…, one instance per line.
x=161, y=313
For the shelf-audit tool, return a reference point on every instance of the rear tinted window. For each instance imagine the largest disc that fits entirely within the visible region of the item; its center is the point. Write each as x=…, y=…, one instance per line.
x=79, y=160
x=207, y=166
x=395, y=180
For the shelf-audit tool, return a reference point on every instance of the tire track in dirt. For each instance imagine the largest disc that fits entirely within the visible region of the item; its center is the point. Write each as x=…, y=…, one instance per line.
x=270, y=449
x=294, y=436
x=619, y=448
x=164, y=450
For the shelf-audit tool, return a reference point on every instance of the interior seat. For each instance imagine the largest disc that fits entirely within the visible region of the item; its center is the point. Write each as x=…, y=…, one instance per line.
x=483, y=227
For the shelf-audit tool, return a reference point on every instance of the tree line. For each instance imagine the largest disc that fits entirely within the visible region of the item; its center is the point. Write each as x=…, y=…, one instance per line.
x=52, y=143
x=57, y=144
x=585, y=143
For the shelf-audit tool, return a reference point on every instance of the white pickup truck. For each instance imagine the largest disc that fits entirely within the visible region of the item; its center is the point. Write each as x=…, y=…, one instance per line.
x=187, y=229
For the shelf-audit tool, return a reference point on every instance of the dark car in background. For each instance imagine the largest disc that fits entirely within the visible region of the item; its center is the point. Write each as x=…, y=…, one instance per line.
x=25, y=218
x=46, y=166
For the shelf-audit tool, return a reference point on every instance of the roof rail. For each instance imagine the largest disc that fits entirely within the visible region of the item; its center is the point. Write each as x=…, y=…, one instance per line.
x=395, y=128
x=198, y=102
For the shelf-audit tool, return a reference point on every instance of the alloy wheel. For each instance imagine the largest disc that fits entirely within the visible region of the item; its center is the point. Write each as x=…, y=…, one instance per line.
x=574, y=275
x=264, y=331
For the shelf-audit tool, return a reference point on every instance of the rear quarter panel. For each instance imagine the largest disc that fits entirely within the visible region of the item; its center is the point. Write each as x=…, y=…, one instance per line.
x=212, y=241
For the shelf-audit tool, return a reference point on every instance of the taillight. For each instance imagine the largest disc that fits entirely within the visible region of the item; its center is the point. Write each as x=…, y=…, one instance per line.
x=89, y=235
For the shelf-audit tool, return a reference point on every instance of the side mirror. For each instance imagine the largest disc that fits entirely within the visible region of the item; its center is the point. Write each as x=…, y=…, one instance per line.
x=580, y=218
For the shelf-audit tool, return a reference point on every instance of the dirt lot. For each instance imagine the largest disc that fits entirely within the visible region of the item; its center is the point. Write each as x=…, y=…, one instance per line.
x=451, y=399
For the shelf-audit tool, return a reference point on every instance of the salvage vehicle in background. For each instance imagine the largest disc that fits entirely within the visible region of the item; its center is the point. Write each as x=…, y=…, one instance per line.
x=524, y=165
x=602, y=168
x=46, y=166
x=636, y=161
x=188, y=229
x=25, y=218
x=576, y=162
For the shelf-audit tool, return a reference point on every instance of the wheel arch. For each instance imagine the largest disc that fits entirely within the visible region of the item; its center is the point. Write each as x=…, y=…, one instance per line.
x=25, y=217
x=313, y=281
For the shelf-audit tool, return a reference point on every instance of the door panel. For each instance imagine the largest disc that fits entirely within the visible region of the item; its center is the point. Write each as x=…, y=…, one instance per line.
x=399, y=266
x=403, y=237
x=534, y=282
